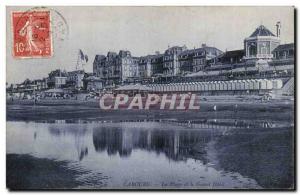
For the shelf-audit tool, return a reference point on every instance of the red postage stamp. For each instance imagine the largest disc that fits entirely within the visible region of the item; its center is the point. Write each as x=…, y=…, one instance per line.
x=31, y=34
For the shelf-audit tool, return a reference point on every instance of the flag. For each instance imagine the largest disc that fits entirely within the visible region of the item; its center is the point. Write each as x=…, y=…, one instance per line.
x=86, y=58
x=81, y=54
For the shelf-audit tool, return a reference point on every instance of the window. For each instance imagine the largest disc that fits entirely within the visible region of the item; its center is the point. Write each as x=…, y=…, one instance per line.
x=252, y=49
x=285, y=54
x=263, y=49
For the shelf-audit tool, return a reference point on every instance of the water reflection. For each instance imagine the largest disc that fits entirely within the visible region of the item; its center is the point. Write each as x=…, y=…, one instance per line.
x=176, y=145
x=233, y=153
x=78, y=132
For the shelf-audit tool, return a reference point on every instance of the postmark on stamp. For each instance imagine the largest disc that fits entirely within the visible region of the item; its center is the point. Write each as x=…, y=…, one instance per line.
x=32, y=34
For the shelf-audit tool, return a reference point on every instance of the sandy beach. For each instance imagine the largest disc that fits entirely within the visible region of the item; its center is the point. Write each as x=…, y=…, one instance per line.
x=26, y=110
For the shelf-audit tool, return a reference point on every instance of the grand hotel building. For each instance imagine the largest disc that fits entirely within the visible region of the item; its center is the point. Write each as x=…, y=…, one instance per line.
x=262, y=55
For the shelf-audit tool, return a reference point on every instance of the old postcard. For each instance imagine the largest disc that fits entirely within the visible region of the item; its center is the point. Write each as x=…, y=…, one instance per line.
x=134, y=98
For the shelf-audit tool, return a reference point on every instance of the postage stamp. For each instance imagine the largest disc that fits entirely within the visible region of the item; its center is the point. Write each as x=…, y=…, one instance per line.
x=32, y=34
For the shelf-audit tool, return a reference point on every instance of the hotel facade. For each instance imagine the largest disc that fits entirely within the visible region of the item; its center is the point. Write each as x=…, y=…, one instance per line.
x=262, y=52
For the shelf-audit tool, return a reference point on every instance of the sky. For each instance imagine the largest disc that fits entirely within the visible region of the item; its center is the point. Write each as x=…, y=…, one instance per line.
x=143, y=30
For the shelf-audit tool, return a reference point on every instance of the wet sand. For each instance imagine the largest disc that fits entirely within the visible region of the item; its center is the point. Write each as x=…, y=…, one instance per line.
x=28, y=172
x=264, y=155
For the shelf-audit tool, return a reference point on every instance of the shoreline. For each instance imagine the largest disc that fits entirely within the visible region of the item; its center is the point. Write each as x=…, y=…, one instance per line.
x=58, y=110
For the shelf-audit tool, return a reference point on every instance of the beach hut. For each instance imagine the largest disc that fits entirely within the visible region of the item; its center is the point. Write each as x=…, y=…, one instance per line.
x=218, y=85
x=168, y=87
x=229, y=85
x=197, y=86
x=277, y=84
x=256, y=84
x=159, y=87
x=176, y=87
x=173, y=87
x=156, y=87
x=269, y=84
x=209, y=84
x=247, y=85
x=202, y=86
x=190, y=86
x=163, y=88
x=238, y=85
x=133, y=89
x=232, y=85
x=213, y=86
x=263, y=84
x=205, y=86
x=221, y=84
x=185, y=86
x=251, y=84
x=243, y=87
x=193, y=86
x=225, y=83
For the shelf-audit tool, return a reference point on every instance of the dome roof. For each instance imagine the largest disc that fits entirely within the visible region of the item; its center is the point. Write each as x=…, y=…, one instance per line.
x=262, y=31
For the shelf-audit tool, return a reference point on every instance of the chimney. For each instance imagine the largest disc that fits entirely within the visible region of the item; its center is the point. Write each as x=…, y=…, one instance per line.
x=203, y=45
x=278, y=28
x=157, y=53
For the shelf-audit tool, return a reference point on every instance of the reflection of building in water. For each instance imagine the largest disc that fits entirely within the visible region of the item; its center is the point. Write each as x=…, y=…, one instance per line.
x=126, y=143
x=78, y=132
x=176, y=145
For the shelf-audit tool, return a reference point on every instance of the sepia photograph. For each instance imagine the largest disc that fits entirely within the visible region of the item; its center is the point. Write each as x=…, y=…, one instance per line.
x=150, y=98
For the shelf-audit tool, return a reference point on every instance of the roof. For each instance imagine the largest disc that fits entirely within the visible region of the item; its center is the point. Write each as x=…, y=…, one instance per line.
x=232, y=54
x=99, y=56
x=262, y=31
x=152, y=56
x=175, y=49
x=111, y=53
x=201, y=49
x=131, y=87
x=284, y=47
x=93, y=78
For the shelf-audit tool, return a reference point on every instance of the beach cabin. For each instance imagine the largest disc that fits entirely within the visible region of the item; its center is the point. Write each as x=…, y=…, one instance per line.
x=269, y=84
x=277, y=84
x=263, y=84
x=132, y=90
